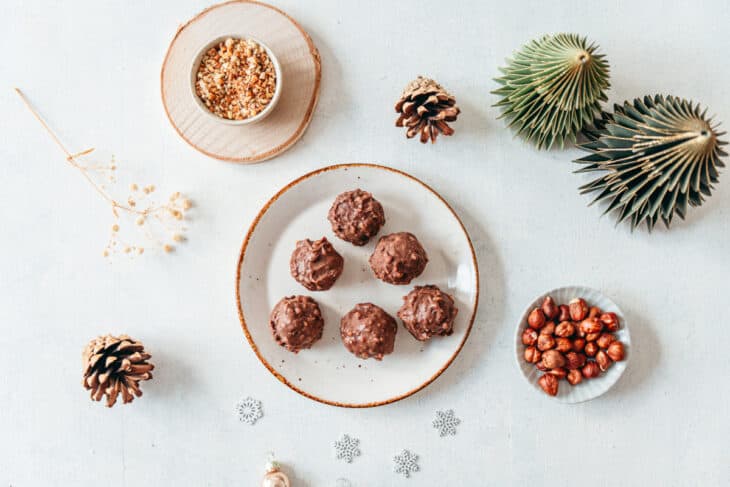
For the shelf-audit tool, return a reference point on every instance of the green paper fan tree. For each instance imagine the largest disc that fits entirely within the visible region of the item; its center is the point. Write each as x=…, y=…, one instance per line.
x=552, y=88
x=659, y=155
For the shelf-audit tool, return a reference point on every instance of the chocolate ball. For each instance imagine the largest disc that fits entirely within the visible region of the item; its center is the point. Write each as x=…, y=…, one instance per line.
x=428, y=311
x=296, y=322
x=356, y=216
x=398, y=258
x=368, y=331
x=316, y=265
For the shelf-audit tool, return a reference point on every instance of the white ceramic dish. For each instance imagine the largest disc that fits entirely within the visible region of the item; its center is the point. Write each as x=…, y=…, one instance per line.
x=588, y=389
x=328, y=372
x=263, y=113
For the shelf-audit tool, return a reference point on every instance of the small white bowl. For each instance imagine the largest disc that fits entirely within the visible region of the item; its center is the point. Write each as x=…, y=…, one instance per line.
x=194, y=72
x=589, y=388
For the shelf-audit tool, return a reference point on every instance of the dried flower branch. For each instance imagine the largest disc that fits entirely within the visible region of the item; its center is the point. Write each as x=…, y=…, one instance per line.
x=160, y=225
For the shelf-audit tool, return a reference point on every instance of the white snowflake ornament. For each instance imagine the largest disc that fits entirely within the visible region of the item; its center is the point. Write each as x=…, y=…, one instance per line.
x=446, y=422
x=249, y=410
x=347, y=448
x=406, y=463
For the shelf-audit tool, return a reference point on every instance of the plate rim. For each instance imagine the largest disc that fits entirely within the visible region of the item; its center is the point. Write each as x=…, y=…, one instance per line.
x=518, y=342
x=242, y=318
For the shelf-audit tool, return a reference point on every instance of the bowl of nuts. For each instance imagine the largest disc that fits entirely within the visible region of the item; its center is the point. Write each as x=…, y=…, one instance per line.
x=236, y=79
x=572, y=344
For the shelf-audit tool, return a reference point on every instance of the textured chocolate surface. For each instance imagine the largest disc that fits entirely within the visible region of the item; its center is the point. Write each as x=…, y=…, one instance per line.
x=296, y=322
x=428, y=311
x=356, y=216
x=368, y=331
x=398, y=258
x=316, y=265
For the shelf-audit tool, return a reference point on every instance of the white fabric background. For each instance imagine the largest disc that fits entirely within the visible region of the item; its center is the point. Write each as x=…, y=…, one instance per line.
x=93, y=69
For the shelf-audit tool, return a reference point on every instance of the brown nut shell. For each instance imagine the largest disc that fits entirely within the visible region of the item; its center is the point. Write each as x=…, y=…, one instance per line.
x=565, y=329
x=536, y=319
x=553, y=359
x=603, y=360
x=532, y=355
x=578, y=309
x=574, y=377
x=591, y=349
x=529, y=336
x=616, y=351
x=549, y=384
x=545, y=342
x=549, y=308
x=590, y=370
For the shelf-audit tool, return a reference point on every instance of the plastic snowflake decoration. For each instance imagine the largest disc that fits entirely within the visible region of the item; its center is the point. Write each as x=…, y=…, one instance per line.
x=249, y=410
x=406, y=463
x=347, y=448
x=446, y=422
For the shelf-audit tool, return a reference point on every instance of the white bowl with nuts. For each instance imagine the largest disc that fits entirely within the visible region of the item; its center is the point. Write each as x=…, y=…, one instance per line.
x=572, y=344
x=236, y=79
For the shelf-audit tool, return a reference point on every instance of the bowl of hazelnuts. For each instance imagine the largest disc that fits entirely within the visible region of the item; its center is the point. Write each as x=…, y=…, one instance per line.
x=572, y=344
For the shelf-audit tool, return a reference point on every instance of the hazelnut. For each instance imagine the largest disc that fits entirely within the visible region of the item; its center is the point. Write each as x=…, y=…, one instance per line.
x=532, y=355
x=552, y=359
x=616, y=351
x=564, y=329
x=591, y=349
x=549, y=308
x=594, y=312
x=529, y=336
x=545, y=342
x=541, y=367
x=592, y=337
x=549, y=384
x=536, y=319
x=610, y=321
x=563, y=345
x=605, y=340
x=574, y=360
x=564, y=314
x=590, y=370
x=559, y=372
x=578, y=309
x=574, y=377
x=591, y=325
x=548, y=329
x=578, y=331
x=579, y=344
x=603, y=361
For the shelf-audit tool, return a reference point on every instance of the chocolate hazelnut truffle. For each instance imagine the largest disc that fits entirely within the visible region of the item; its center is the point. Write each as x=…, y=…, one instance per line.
x=398, y=258
x=296, y=322
x=356, y=216
x=316, y=265
x=428, y=311
x=368, y=331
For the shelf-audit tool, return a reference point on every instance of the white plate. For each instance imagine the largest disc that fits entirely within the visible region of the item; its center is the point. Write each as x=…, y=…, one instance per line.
x=588, y=389
x=328, y=372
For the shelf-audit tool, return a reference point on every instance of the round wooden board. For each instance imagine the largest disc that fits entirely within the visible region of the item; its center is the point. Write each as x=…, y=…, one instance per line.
x=301, y=74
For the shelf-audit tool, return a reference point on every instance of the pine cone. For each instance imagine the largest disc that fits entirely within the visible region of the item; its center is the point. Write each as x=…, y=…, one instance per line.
x=425, y=107
x=115, y=365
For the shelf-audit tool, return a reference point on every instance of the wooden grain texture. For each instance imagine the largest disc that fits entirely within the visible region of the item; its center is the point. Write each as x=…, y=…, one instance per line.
x=301, y=74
